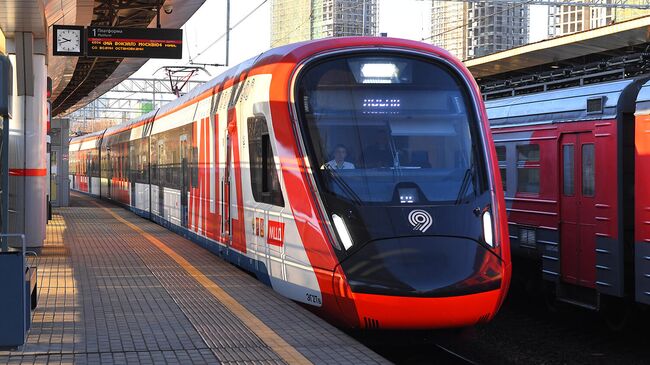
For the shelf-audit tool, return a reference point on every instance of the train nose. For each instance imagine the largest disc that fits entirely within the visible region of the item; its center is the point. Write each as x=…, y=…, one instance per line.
x=428, y=266
x=420, y=282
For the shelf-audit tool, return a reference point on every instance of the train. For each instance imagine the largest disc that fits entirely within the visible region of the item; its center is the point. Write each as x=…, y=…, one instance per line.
x=353, y=175
x=574, y=166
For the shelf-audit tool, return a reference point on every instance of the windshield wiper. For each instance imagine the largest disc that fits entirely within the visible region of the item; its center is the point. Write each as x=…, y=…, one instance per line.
x=467, y=179
x=344, y=186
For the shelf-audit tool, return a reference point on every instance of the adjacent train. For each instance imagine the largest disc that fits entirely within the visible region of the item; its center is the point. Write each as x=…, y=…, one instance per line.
x=575, y=168
x=355, y=175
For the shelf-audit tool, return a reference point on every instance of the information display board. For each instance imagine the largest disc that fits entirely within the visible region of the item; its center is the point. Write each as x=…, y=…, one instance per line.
x=134, y=42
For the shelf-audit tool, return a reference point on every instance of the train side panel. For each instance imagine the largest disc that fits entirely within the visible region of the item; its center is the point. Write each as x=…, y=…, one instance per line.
x=272, y=234
x=189, y=156
x=565, y=168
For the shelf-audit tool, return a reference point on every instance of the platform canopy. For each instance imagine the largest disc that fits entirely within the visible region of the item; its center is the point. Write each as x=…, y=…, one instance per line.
x=616, y=39
x=77, y=81
x=22, y=16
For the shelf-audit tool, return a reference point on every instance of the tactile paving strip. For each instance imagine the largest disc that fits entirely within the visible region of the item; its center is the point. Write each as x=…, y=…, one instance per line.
x=107, y=295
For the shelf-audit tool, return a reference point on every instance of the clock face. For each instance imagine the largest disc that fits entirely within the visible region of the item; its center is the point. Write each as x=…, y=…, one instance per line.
x=68, y=40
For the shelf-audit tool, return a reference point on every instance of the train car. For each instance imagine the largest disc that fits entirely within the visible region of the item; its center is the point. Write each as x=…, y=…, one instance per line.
x=354, y=175
x=84, y=163
x=567, y=163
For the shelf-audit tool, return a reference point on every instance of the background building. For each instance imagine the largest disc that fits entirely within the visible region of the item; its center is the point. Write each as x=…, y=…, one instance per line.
x=300, y=20
x=449, y=28
x=571, y=19
x=471, y=29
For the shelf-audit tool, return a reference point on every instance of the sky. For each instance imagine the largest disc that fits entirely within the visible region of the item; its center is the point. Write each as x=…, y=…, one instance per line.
x=399, y=18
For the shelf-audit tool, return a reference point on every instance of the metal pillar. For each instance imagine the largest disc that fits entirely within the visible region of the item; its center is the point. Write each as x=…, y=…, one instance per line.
x=27, y=146
x=227, y=32
x=5, y=181
x=6, y=90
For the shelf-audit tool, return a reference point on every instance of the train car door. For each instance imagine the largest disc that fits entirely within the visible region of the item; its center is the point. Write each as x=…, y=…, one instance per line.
x=225, y=195
x=161, y=173
x=109, y=173
x=184, y=177
x=577, y=209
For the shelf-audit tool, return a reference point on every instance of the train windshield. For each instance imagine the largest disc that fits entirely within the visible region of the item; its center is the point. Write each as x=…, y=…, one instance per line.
x=390, y=129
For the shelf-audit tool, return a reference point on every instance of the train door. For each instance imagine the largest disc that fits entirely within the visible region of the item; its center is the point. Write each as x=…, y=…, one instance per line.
x=161, y=174
x=577, y=209
x=109, y=173
x=184, y=177
x=225, y=195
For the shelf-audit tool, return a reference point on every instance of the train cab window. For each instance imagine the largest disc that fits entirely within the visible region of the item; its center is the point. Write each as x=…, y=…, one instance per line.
x=528, y=168
x=588, y=170
x=568, y=180
x=264, y=175
x=377, y=126
x=502, y=157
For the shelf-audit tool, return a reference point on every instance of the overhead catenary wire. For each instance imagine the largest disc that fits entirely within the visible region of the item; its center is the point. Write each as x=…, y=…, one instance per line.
x=231, y=28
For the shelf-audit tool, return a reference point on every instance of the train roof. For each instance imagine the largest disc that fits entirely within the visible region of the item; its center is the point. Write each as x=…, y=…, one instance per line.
x=560, y=105
x=84, y=137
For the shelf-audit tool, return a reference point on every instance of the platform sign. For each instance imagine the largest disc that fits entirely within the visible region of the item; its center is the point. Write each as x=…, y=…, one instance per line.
x=134, y=42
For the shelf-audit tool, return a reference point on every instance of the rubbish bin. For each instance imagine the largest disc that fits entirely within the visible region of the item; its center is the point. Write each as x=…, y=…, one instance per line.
x=13, y=306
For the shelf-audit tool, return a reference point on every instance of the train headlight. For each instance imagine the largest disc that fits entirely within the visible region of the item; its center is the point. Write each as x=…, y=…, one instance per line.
x=488, y=235
x=342, y=231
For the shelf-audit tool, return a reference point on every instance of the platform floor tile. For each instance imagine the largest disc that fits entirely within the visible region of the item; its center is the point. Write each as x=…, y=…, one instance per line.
x=109, y=296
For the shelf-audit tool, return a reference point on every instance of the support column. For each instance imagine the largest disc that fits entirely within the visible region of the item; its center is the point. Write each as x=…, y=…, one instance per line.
x=27, y=146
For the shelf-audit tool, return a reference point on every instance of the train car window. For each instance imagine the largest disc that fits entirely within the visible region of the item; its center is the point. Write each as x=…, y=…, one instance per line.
x=588, y=170
x=528, y=168
x=377, y=125
x=501, y=153
x=568, y=168
x=528, y=152
x=264, y=174
x=503, y=171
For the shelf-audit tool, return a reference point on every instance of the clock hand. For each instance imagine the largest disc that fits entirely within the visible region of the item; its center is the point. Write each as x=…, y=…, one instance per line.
x=65, y=40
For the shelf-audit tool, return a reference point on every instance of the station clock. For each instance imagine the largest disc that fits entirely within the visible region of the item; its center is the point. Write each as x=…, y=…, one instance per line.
x=68, y=40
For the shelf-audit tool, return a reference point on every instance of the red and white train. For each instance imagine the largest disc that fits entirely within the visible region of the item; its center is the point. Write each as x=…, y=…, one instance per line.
x=575, y=168
x=355, y=175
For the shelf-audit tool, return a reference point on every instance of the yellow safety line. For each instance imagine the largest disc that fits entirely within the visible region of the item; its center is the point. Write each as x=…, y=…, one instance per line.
x=287, y=352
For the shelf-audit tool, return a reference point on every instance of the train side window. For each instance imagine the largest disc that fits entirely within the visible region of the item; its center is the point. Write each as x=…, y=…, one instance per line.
x=528, y=166
x=568, y=183
x=528, y=152
x=502, y=157
x=264, y=176
x=588, y=170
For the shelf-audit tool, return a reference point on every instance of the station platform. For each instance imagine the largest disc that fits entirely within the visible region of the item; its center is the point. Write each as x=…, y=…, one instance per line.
x=118, y=289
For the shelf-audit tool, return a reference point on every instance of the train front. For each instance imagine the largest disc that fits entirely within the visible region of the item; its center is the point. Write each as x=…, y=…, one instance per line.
x=401, y=169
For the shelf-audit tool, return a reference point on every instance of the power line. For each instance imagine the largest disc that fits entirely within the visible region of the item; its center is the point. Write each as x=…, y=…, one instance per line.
x=231, y=28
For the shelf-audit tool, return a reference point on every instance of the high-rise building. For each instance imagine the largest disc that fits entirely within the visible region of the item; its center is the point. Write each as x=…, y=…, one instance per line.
x=496, y=26
x=474, y=29
x=449, y=28
x=565, y=19
x=300, y=20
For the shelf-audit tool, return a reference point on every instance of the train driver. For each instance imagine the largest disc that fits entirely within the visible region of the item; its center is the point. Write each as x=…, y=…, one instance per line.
x=339, y=163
